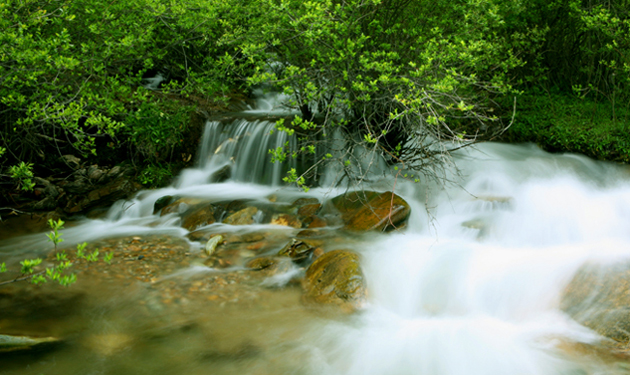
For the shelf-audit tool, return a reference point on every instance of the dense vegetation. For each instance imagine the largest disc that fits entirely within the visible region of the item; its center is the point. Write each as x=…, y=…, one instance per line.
x=411, y=80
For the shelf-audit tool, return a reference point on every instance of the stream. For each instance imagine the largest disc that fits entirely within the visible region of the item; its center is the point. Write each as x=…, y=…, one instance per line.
x=474, y=285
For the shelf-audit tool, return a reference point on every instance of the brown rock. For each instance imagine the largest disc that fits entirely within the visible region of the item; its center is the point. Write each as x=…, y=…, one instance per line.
x=286, y=220
x=335, y=278
x=269, y=265
x=179, y=205
x=163, y=202
x=261, y=263
x=198, y=217
x=598, y=297
x=314, y=222
x=370, y=210
x=242, y=217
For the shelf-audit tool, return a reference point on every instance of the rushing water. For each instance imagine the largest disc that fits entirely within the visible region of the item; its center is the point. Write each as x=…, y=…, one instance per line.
x=471, y=287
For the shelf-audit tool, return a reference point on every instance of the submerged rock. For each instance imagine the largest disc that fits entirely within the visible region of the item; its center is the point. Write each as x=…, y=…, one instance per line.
x=307, y=207
x=335, y=278
x=286, y=220
x=10, y=343
x=598, y=297
x=370, y=210
x=298, y=251
x=212, y=244
x=269, y=265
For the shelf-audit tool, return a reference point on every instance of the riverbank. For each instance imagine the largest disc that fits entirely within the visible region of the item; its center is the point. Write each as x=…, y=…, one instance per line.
x=561, y=123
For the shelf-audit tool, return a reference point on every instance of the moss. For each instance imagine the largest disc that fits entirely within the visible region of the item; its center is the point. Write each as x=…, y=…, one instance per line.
x=565, y=123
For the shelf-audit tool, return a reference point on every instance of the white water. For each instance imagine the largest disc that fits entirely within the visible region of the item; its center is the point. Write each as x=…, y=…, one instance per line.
x=451, y=300
x=446, y=297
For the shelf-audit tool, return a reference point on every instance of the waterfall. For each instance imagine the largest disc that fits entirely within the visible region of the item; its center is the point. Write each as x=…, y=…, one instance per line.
x=472, y=286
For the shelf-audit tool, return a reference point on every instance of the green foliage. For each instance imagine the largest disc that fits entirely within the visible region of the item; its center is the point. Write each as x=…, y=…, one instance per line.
x=395, y=76
x=22, y=173
x=157, y=128
x=28, y=265
x=409, y=80
x=58, y=272
x=55, y=236
x=292, y=177
x=72, y=72
x=156, y=175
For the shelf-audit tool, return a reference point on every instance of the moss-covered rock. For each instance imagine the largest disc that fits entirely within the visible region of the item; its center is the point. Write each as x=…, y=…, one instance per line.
x=335, y=278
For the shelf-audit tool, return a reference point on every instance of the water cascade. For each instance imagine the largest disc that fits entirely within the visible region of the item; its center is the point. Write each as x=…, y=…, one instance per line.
x=472, y=286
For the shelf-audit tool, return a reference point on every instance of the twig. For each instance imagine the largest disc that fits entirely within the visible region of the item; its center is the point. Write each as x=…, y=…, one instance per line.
x=22, y=278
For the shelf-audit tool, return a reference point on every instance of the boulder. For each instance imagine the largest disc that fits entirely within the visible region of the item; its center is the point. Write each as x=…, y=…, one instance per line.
x=307, y=206
x=370, y=210
x=163, y=202
x=598, y=297
x=335, y=279
x=221, y=175
x=198, y=217
x=120, y=188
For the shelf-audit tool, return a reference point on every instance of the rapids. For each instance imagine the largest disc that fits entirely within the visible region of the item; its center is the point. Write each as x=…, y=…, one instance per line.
x=472, y=286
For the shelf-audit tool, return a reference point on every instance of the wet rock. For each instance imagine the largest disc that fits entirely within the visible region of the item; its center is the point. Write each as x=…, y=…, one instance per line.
x=10, y=343
x=242, y=217
x=370, y=210
x=80, y=185
x=46, y=204
x=495, y=202
x=480, y=225
x=223, y=174
x=598, y=297
x=253, y=237
x=298, y=251
x=335, y=278
x=306, y=206
x=212, y=244
x=118, y=189
x=116, y=172
x=180, y=205
x=314, y=222
x=107, y=344
x=286, y=220
x=261, y=263
x=269, y=266
x=163, y=202
x=304, y=201
x=49, y=190
x=198, y=217
x=309, y=210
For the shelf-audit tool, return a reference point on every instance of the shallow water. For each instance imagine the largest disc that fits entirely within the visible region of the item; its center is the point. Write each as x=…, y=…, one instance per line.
x=472, y=286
